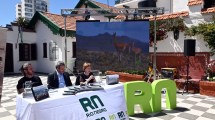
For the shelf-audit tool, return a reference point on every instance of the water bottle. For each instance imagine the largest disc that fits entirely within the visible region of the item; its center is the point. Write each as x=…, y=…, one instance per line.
x=100, y=78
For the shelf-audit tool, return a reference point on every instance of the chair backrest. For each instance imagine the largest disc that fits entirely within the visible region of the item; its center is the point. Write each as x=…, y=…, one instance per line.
x=77, y=81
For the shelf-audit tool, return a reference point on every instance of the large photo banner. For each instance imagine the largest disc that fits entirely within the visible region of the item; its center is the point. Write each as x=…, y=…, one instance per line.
x=3, y=34
x=117, y=46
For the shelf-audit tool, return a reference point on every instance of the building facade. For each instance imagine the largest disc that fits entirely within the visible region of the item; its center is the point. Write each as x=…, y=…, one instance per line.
x=27, y=8
x=192, y=12
x=44, y=44
x=50, y=42
x=170, y=51
x=18, y=10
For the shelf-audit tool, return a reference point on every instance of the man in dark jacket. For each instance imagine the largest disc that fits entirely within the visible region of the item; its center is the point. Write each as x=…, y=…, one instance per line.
x=59, y=78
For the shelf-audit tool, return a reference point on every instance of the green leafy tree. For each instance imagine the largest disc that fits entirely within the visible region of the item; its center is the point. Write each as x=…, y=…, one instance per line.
x=207, y=30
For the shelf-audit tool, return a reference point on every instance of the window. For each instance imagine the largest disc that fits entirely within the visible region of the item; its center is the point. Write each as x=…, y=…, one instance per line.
x=28, y=5
x=27, y=52
x=38, y=7
x=28, y=10
x=209, y=3
x=74, y=49
x=29, y=1
x=19, y=9
x=44, y=50
x=19, y=13
x=28, y=14
x=33, y=51
x=147, y=3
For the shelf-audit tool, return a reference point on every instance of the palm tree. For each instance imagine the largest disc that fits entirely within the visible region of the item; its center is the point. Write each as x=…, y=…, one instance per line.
x=22, y=23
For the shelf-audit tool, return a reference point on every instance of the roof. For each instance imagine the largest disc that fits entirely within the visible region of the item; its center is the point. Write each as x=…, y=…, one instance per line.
x=170, y=16
x=55, y=22
x=95, y=4
x=59, y=21
x=161, y=17
x=101, y=5
x=92, y=4
x=194, y=2
x=208, y=10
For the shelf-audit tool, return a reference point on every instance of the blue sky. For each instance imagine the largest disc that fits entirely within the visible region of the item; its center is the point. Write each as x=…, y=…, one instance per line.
x=8, y=14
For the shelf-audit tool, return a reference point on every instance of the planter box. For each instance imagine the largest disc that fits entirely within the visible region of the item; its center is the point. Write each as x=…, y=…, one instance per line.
x=194, y=88
x=126, y=77
x=207, y=88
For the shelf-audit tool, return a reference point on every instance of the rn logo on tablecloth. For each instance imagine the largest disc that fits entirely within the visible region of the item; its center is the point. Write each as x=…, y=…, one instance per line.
x=93, y=105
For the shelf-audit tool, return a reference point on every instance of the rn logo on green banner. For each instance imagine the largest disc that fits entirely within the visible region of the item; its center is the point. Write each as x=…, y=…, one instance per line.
x=92, y=106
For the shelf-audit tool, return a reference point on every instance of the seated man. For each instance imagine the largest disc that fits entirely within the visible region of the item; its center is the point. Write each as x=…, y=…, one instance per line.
x=59, y=78
x=29, y=77
x=87, y=76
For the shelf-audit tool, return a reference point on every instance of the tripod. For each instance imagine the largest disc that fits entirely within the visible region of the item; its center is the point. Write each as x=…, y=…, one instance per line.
x=187, y=82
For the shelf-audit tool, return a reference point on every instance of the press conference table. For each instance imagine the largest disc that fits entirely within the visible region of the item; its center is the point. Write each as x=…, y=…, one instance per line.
x=68, y=107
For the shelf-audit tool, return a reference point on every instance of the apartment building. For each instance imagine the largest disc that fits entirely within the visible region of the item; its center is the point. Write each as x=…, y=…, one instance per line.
x=27, y=8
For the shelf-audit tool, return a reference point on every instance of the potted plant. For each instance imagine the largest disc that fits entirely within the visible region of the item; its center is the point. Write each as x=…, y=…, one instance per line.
x=176, y=25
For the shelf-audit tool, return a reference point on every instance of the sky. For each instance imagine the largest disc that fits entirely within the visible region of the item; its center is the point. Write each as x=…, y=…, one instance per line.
x=8, y=9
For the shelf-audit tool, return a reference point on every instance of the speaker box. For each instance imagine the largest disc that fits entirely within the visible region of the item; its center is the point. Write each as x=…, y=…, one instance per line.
x=189, y=47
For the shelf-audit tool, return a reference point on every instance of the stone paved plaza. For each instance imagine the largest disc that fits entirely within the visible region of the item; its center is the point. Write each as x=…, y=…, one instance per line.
x=189, y=106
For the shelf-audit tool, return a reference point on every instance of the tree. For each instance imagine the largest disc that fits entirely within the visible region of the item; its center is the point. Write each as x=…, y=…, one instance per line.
x=22, y=24
x=207, y=30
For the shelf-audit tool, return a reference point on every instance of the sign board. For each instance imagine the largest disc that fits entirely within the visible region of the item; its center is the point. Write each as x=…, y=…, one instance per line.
x=103, y=106
x=118, y=46
x=107, y=104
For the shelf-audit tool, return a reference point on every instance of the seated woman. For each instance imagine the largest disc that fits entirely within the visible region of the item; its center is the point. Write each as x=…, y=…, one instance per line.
x=87, y=76
x=28, y=79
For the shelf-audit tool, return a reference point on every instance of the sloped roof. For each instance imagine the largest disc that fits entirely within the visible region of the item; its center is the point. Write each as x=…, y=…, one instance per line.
x=170, y=16
x=59, y=21
x=92, y=4
x=95, y=4
x=194, y=2
x=162, y=17
x=55, y=22
x=101, y=5
x=208, y=10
